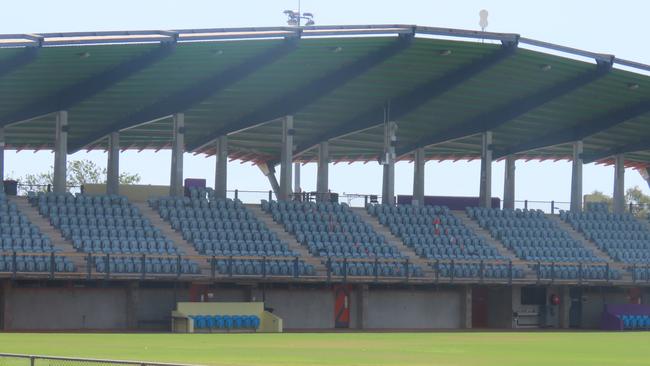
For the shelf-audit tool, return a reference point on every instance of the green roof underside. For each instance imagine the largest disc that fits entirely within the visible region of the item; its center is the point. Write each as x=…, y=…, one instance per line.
x=513, y=83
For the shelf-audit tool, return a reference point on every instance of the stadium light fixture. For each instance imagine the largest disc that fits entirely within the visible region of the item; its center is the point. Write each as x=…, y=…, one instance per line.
x=296, y=17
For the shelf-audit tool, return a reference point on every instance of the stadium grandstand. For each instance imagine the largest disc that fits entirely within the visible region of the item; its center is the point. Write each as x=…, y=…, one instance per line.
x=115, y=257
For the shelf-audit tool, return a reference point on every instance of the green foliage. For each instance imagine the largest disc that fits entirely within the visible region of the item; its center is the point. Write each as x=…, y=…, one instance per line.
x=79, y=172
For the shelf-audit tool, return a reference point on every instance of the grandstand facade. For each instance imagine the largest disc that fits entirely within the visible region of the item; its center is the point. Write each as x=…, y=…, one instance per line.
x=121, y=257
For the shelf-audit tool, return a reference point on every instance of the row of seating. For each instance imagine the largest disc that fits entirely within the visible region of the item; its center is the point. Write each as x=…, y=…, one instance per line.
x=619, y=235
x=150, y=265
x=62, y=198
x=270, y=267
x=17, y=233
x=475, y=270
x=28, y=263
x=233, y=232
x=226, y=322
x=635, y=322
x=433, y=232
x=375, y=269
x=531, y=235
x=572, y=272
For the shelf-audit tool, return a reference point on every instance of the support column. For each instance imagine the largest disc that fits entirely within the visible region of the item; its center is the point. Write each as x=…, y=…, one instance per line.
x=296, y=178
x=322, y=178
x=619, y=183
x=565, y=307
x=390, y=139
x=269, y=173
x=2, y=156
x=60, y=152
x=178, y=147
x=485, y=189
x=221, y=168
x=362, y=306
x=466, y=307
x=418, y=177
x=286, y=158
x=113, y=165
x=576, y=178
x=509, y=183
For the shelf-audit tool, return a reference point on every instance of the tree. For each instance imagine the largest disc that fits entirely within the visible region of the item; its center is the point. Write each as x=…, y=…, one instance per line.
x=79, y=173
x=639, y=200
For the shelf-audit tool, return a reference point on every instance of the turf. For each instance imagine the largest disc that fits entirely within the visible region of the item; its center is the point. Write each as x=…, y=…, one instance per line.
x=411, y=349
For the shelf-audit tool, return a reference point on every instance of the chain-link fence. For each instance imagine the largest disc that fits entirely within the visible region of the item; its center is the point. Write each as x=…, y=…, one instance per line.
x=29, y=360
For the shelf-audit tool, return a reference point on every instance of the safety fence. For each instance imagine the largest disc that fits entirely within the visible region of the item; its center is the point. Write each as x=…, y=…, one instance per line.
x=99, y=266
x=8, y=359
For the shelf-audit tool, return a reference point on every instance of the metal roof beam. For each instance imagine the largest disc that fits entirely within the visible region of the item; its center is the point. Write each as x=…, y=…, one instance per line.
x=184, y=99
x=623, y=149
x=411, y=100
x=295, y=100
x=580, y=131
x=495, y=118
x=69, y=96
x=20, y=59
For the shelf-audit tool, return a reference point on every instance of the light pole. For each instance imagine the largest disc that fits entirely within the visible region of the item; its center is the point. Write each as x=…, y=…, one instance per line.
x=296, y=17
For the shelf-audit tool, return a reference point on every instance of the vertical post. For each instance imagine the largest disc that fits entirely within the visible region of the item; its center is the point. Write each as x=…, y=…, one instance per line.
x=619, y=183
x=221, y=167
x=576, y=177
x=60, y=151
x=178, y=147
x=509, y=183
x=286, y=158
x=322, y=178
x=485, y=189
x=418, y=177
x=296, y=178
x=113, y=166
x=388, y=160
x=2, y=156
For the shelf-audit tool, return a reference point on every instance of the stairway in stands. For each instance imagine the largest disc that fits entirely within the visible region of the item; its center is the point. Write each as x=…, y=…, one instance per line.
x=46, y=228
x=485, y=235
x=267, y=219
x=166, y=228
x=583, y=241
x=395, y=241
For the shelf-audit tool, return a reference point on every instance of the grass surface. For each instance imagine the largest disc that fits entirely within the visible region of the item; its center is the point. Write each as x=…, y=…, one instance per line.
x=410, y=349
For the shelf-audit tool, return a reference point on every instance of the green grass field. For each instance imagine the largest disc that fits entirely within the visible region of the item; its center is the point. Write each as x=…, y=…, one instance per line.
x=452, y=348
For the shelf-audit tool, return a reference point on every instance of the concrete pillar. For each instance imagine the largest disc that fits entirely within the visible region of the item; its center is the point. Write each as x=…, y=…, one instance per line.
x=619, y=183
x=132, y=299
x=362, y=306
x=269, y=173
x=286, y=157
x=178, y=148
x=565, y=307
x=509, y=183
x=60, y=152
x=113, y=165
x=2, y=156
x=296, y=178
x=485, y=189
x=576, y=178
x=418, y=177
x=221, y=167
x=7, y=289
x=322, y=178
x=466, y=307
x=390, y=139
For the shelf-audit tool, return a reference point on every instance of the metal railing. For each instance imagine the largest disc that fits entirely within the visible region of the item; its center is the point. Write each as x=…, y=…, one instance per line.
x=10, y=359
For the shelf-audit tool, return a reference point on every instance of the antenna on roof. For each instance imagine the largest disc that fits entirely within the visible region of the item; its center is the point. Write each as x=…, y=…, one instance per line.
x=483, y=22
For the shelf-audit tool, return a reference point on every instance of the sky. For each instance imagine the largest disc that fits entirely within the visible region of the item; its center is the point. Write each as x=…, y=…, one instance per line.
x=618, y=28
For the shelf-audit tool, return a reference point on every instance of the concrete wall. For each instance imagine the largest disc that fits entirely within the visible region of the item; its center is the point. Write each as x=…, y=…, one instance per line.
x=303, y=308
x=413, y=309
x=134, y=192
x=66, y=308
x=154, y=306
x=594, y=301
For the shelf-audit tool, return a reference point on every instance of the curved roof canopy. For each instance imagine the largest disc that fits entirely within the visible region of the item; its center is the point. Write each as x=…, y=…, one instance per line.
x=442, y=86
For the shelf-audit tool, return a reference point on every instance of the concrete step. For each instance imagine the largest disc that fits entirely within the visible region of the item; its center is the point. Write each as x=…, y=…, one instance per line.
x=395, y=241
x=53, y=233
x=284, y=236
x=485, y=235
x=166, y=228
x=583, y=241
